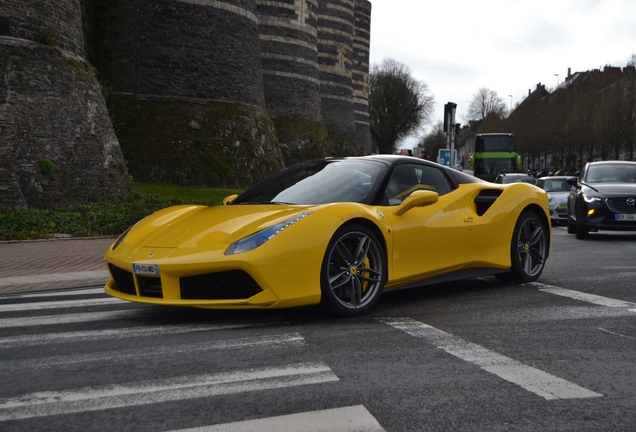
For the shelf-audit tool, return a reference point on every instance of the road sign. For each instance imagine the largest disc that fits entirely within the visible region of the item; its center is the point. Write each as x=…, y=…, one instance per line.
x=444, y=157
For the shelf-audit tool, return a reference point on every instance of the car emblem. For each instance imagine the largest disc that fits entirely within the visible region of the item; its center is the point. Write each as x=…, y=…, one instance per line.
x=151, y=254
x=630, y=201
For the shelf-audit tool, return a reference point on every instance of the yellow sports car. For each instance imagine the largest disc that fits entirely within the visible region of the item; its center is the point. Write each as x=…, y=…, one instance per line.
x=335, y=233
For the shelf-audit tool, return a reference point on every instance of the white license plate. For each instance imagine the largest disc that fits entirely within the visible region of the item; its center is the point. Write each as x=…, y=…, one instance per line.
x=625, y=217
x=147, y=269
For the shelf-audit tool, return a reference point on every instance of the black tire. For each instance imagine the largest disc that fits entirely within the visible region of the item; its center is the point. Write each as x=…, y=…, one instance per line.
x=528, y=249
x=353, y=271
x=571, y=226
x=579, y=228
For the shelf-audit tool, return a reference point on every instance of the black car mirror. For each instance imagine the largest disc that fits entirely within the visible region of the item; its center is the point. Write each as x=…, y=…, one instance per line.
x=571, y=181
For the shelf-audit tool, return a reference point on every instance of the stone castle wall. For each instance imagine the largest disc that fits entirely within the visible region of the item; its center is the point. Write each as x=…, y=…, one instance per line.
x=172, y=69
x=336, y=23
x=61, y=20
x=289, y=57
x=188, y=48
x=360, y=72
x=57, y=144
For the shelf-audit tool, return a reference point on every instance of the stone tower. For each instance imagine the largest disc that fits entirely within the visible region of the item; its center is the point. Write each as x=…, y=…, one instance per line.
x=336, y=31
x=188, y=102
x=360, y=72
x=291, y=77
x=57, y=144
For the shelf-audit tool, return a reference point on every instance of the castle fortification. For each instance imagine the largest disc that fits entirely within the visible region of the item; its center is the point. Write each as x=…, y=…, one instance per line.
x=57, y=144
x=208, y=92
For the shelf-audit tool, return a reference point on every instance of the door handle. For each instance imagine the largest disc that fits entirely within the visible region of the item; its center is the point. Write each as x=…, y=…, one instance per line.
x=468, y=219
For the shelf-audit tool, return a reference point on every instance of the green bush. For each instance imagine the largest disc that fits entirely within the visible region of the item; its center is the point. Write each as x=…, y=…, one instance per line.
x=106, y=218
x=46, y=166
x=47, y=36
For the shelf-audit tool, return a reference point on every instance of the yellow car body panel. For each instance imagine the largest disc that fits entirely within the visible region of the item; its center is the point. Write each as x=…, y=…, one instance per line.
x=423, y=242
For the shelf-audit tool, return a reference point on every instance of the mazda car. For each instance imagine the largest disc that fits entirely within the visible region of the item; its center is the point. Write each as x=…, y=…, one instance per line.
x=603, y=198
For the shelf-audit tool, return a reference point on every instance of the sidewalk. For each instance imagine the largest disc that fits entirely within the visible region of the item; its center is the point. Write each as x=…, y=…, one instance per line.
x=44, y=265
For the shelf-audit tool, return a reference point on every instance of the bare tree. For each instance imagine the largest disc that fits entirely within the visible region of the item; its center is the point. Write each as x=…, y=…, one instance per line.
x=399, y=105
x=436, y=139
x=486, y=102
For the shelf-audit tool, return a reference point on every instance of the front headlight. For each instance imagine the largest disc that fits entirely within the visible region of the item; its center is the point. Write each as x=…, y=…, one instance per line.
x=592, y=199
x=253, y=241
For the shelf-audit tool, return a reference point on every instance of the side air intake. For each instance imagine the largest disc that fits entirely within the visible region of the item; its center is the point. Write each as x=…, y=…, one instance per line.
x=485, y=199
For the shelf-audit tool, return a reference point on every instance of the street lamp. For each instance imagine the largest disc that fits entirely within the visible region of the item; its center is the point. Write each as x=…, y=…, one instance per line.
x=557, y=75
x=510, y=96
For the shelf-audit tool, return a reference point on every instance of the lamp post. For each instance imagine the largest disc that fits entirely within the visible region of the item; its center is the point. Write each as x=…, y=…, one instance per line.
x=557, y=75
x=510, y=96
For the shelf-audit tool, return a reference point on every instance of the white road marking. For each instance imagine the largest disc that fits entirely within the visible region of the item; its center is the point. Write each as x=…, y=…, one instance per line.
x=536, y=381
x=345, y=419
x=115, y=333
x=577, y=295
x=55, y=293
x=55, y=277
x=42, y=404
x=162, y=351
x=59, y=304
x=79, y=317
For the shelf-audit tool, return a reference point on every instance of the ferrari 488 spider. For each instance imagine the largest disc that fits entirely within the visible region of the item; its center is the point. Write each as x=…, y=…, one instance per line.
x=335, y=233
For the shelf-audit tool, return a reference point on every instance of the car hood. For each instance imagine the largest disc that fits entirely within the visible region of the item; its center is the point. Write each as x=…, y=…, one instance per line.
x=199, y=226
x=612, y=189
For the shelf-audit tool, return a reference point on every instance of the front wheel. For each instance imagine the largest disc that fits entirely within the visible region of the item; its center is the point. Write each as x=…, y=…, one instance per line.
x=353, y=271
x=571, y=226
x=528, y=250
x=579, y=228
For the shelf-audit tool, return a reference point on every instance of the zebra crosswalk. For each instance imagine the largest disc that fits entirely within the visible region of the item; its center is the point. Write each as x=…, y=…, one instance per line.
x=80, y=361
x=77, y=333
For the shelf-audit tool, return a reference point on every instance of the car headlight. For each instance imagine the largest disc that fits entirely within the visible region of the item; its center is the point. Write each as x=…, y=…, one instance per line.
x=253, y=241
x=592, y=199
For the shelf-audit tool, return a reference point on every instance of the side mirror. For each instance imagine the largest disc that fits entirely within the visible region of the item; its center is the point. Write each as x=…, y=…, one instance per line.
x=418, y=198
x=229, y=199
x=571, y=181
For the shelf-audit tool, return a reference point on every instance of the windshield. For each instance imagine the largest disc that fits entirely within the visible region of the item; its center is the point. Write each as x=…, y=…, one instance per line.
x=317, y=182
x=494, y=143
x=555, y=185
x=608, y=173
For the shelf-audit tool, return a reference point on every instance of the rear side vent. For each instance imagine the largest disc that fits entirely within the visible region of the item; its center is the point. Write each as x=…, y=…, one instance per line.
x=485, y=199
x=229, y=285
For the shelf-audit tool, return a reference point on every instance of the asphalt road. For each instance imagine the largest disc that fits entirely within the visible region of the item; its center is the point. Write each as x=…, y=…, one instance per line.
x=477, y=355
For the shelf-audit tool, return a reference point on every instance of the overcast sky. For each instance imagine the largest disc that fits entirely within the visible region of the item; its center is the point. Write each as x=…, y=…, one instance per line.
x=505, y=45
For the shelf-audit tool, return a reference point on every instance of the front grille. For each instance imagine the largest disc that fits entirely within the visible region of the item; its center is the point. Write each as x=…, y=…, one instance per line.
x=619, y=205
x=229, y=285
x=562, y=209
x=123, y=279
x=150, y=286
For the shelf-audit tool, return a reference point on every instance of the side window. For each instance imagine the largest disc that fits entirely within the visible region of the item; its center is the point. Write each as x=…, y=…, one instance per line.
x=407, y=178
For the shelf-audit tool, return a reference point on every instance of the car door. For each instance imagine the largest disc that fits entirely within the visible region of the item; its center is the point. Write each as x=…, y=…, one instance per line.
x=432, y=239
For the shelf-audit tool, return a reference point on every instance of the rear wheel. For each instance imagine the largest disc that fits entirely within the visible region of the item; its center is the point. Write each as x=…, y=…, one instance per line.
x=353, y=271
x=528, y=249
